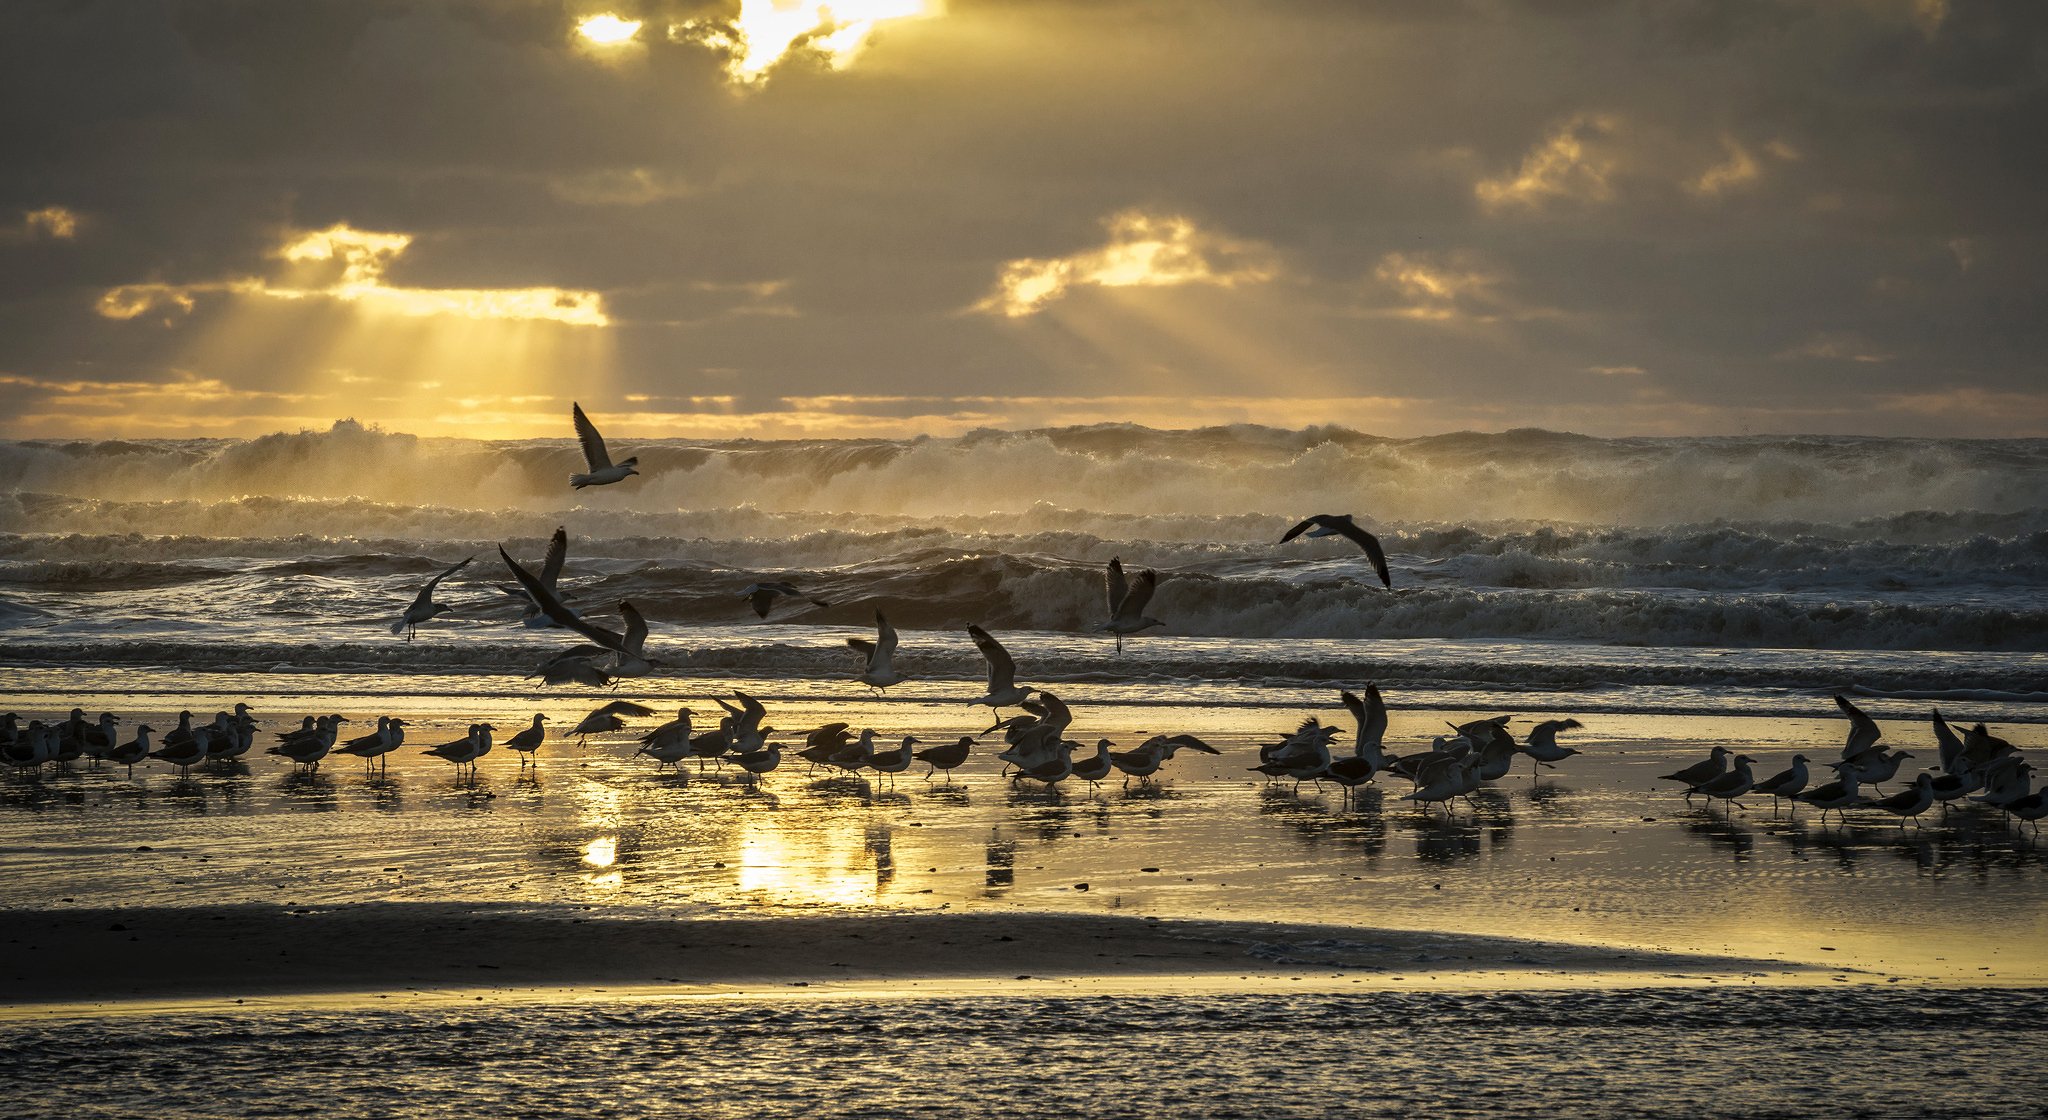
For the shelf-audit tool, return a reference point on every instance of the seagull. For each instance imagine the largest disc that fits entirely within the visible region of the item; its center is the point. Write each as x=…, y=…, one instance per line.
x=374, y=747
x=466, y=750
x=757, y=763
x=894, y=762
x=1127, y=601
x=878, y=673
x=602, y=470
x=550, y=577
x=627, y=650
x=1863, y=731
x=820, y=745
x=668, y=744
x=1453, y=778
x=1700, y=773
x=1542, y=743
x=1003, y=690
x=947, y=756
x=1834, y=796
x=1731, y=786
x=611, y=717
x=1874, y=767
x=423, y=606
x=529, y=740
x=1366, y=758
x=1097, y=766
x=1785, y=783
x=133, y=751
x=308, y=750
x=762, y=596
x=1341, y=525
x=571, y=667
x=183, y=755
x=1908, y=802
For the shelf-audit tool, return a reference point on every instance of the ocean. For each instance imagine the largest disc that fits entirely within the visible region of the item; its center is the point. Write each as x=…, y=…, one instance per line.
x=1736, y=574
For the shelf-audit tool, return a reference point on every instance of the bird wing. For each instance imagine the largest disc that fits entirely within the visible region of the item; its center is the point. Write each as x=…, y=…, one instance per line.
x=1002, y=669
x=1057, y=714
x=624, y=708
x=1304, y=527
x=1132, y=608
x=1373, y=727
x=1373, y=551
x=1862, y=728
x=885, y=641
x=863, y=647
x=636, y=628
x=544, y=598
x=558, y=551
x=593, y=444
x=1114, y=584
x=427, y=592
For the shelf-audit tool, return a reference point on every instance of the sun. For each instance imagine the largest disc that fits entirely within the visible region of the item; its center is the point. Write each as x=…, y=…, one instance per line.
x=607, y=30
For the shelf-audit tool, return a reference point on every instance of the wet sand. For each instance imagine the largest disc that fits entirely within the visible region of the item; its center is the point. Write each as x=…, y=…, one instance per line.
x=85, y=955
x=1594, y=854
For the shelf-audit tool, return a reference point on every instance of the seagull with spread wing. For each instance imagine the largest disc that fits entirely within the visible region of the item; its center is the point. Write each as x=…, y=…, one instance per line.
x=423, y=606
x=762, y=596
x=603, y=472
x=1127, y=601
x=1341, y=525
x=550, y=574
x=628, y=657
x=879, y=672
x=1003, y=689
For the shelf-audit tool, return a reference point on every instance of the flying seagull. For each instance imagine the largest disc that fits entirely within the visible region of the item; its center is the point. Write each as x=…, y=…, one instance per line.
x=1127, y=601
x=550, y=574
x=878, y=672
x=424, y=607
x=1341, y=525
x=603, y=472
x=1003, y=689
x=762, y=596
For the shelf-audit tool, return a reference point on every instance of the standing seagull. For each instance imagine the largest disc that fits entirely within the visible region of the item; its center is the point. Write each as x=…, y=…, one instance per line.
x=1341, y=525
x=1127, y=601
x=423, y=606
x=1003, y=690
x=602, y=470
x=878, y=673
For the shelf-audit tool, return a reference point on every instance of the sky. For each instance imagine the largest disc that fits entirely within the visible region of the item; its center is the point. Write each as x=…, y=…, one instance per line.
x=897, y=217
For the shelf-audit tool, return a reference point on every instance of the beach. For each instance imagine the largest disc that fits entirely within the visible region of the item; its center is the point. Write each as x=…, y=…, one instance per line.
x=594, y=892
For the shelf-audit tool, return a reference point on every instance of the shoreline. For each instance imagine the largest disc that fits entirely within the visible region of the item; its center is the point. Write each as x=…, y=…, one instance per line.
x=88, y=961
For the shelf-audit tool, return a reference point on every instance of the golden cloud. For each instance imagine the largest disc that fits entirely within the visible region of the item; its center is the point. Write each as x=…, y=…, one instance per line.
x=1575, y=163
x=347, y=264
x=1143, y=250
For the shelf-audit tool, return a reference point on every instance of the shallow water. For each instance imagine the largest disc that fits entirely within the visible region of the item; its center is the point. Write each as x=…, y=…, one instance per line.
x=1594, y=852
x=1792, y=1052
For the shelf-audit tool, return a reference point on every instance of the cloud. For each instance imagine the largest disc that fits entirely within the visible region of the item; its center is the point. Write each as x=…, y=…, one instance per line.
x=766, y=32
x=1143, y=250
x=346, y=264
x=1573, y=164
x=1837, y=346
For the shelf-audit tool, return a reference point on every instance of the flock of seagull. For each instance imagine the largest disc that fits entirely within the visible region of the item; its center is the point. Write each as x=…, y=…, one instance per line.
x=1974, y=764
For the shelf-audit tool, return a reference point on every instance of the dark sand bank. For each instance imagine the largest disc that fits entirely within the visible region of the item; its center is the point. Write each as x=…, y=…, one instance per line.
x=79, y=956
